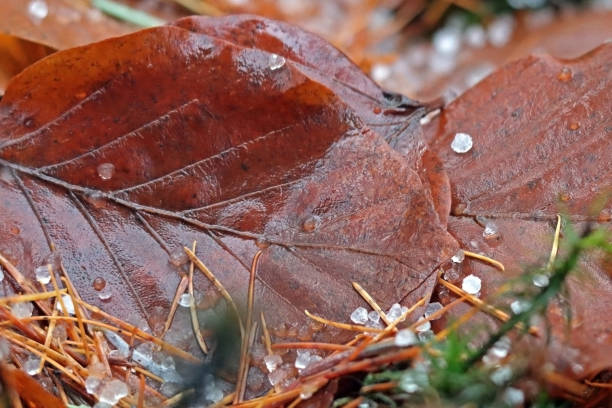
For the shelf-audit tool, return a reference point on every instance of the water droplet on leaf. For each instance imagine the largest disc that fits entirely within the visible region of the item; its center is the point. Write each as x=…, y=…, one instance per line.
x=106, y=171
x=276, y=62
x=99, y=283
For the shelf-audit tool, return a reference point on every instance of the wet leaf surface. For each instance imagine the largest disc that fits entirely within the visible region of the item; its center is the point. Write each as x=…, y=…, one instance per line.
x=173, y=135
x=542, y=145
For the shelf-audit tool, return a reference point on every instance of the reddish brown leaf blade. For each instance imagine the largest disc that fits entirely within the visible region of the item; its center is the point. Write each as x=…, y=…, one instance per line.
x=144, y=143
x=542, y=146
x=382, y=111
x=542, y=138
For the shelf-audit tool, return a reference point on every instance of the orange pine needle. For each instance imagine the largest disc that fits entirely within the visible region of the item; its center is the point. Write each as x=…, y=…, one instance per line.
x=486, y=259
x=195, y=324
x=246, y=340
x=216, y=283
x=385, y=386
x=345, y=326
x=311, y=345
x=366, y=296
x=182, y=286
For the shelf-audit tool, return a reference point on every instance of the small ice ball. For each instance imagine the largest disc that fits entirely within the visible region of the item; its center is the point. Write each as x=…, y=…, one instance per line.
x=276, y=62
x=540, y=280
x=42, y=274
x=423, y=327
x=359, y=315
x=185, y=300
x=462, y=143
x=272, y=361
x=471, y=284
x=432, y=308
x=458, y=257
x=405, y=337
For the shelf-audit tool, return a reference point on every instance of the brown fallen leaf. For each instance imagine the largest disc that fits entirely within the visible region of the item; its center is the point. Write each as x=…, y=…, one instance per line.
x=122, y=152
x=391, y=115
x=542, y=145
x=17, y=54
x=61, y=24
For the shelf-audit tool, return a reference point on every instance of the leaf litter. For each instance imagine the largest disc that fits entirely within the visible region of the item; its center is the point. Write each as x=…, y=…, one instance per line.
x=307, y=385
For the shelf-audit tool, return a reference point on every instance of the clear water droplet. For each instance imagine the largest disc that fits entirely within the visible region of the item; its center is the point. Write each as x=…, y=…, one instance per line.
x=359, y=315
x=262, y=243
x=462, y=143
x=276, y=62
x=38, y=10
x=96, y=199
x=310, y=223
x=458, y=257
x=185, y=300
x=105, y=295
x=99, y=283
x=565, y=75
x=106, y=171
x=178, y=257
x=471, y=284
x=42, y=274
